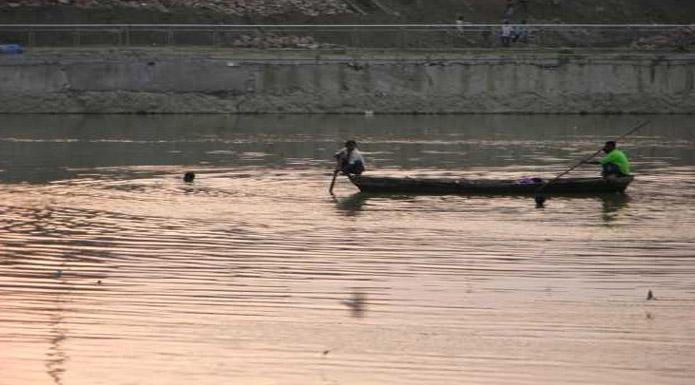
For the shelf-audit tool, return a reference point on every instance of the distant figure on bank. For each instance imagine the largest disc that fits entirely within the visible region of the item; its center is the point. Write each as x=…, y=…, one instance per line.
x=519, y=32
x=460, y=29
x=486, y=34
x=459, y=25
x=615, y=163
x=506, y=33
x=509, y=9
x=188, y=177
x=349, y=160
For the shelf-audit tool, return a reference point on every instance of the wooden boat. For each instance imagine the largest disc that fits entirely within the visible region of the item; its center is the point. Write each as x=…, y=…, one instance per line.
x=374, y=184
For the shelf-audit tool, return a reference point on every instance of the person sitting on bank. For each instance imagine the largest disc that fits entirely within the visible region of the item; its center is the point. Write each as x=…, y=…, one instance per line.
x=615, y=163
x=349, y=159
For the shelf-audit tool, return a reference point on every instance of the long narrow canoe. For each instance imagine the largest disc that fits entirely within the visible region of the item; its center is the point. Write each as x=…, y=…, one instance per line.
x=374, y=184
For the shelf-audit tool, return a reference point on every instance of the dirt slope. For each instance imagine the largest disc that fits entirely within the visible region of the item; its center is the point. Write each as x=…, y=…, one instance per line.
x=344, y=11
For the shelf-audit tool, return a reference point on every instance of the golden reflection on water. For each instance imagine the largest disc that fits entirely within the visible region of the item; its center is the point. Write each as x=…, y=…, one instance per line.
x=253, y=274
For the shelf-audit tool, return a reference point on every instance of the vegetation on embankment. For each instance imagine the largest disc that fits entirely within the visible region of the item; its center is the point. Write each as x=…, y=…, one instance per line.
x=343, y=11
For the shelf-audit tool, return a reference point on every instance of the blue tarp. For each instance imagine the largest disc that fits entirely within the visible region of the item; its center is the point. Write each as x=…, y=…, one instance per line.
x=11, y=48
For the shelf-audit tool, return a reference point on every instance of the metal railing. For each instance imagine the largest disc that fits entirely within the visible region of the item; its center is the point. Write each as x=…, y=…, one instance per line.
x=393, y=36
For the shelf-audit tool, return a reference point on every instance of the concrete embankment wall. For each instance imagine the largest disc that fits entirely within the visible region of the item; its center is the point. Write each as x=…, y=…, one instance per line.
x=147, y=81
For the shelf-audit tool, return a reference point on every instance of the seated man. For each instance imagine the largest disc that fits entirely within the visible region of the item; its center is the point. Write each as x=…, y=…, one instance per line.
x=615, y=163
x=349, y=160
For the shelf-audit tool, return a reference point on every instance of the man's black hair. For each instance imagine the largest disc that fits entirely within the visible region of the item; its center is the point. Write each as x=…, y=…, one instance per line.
x=610, y=143
x=349, y=142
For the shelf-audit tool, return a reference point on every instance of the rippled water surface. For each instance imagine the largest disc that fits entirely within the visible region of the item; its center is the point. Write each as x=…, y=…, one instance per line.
x=115, y=271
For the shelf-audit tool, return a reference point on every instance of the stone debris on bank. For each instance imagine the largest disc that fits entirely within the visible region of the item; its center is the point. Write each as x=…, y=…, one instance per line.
x=681, y=38
x=273, y=41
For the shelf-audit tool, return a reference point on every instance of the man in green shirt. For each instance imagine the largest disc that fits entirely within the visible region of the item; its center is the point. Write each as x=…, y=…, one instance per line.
x=615, y=163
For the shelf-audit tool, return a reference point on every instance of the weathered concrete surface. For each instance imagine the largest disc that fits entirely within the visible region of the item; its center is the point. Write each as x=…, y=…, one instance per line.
x=166, y=81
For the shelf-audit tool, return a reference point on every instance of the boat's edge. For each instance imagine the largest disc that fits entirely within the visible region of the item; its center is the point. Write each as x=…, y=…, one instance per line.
x=406, y=185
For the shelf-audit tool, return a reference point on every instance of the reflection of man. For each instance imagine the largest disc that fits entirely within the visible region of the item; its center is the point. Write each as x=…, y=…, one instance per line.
x=349, y=160
x=615, y=163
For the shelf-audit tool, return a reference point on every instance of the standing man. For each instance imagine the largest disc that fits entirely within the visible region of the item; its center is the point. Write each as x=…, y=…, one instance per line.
x=349, y=159
x=509, y=9
x=460, y=29
x=615, y=163
x=459, y=25
x=506, y=33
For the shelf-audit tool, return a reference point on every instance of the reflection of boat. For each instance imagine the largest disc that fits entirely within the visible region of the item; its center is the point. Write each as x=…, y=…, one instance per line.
x=407, y=185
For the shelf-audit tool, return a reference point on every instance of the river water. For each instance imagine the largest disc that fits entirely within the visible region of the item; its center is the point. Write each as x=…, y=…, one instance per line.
x=115, y=271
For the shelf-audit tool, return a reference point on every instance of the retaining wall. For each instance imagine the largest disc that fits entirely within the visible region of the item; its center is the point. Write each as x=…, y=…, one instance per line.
x=148, y=81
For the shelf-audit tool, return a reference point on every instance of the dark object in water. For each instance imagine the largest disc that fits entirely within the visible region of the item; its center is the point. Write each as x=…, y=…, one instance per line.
x=540, y=200
x=188, y=177
x=650, y=296
x=357, y=304
x=373, y=184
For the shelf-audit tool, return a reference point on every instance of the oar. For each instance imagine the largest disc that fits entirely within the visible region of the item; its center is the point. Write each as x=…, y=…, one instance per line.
x=540, y=199
x=335, y=174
